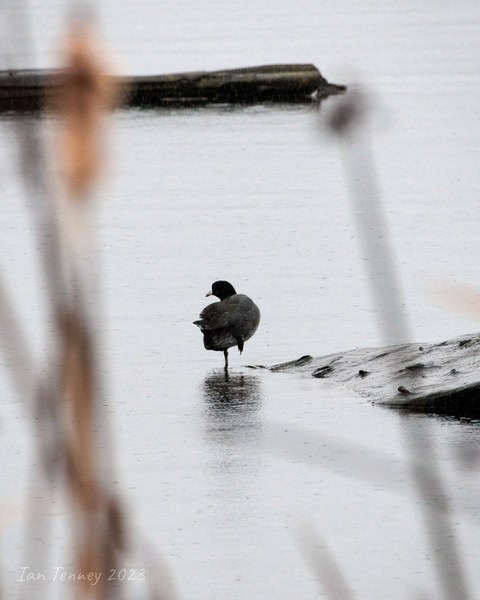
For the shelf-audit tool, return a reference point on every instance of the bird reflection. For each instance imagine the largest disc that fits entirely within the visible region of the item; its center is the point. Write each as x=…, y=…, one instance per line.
x=232, y=403
x=233, y=435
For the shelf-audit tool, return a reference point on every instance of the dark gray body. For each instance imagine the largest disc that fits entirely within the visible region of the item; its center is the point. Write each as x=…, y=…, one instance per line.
x=230, y=322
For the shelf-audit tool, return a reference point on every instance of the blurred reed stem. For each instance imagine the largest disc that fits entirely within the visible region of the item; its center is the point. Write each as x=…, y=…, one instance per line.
x=348, y=122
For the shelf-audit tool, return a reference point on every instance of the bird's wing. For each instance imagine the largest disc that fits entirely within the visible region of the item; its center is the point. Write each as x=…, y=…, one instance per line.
x=219, y=315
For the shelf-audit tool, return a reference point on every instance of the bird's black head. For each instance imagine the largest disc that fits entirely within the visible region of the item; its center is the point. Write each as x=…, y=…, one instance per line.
x=222, y=290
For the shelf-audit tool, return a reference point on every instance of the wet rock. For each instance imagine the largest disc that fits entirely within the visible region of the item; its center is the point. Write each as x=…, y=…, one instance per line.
x=300, y=362
x=323, y=372
x=438, y=378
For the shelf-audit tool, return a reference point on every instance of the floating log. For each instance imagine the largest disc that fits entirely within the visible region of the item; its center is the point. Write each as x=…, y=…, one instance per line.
x=23, y=90
x=270, y=83
x=439, y=378
x=28, y=90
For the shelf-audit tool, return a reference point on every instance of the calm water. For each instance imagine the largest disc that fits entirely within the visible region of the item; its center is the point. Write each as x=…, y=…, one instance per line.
x=220, y=476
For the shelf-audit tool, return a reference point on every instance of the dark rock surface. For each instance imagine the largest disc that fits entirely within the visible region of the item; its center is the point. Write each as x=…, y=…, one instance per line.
x=437, y=378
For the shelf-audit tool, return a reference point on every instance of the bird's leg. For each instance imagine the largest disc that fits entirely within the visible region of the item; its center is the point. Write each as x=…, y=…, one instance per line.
x=240, y=344
x=225, y=353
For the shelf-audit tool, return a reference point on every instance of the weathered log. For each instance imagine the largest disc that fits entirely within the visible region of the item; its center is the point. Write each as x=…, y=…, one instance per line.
x=23, y=90
x=439, y=378
x=271, y=83
x=29, y=89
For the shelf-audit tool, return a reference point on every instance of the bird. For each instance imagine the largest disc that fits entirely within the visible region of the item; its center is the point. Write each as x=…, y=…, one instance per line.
x=230, y=322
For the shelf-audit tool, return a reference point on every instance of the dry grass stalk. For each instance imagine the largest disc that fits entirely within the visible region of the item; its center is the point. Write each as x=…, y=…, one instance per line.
x=84, y=97
x=346, y=123
x=457, y=297
x=98, y=517
x=78, y=393
x=322, y=563
x=85, y=94
x=65, y=394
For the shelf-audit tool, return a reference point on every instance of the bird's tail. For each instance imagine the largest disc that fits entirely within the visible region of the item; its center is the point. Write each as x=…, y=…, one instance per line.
x=240, y=344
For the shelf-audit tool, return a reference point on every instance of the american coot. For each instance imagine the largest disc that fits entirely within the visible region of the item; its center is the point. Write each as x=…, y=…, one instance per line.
x=230, y=322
